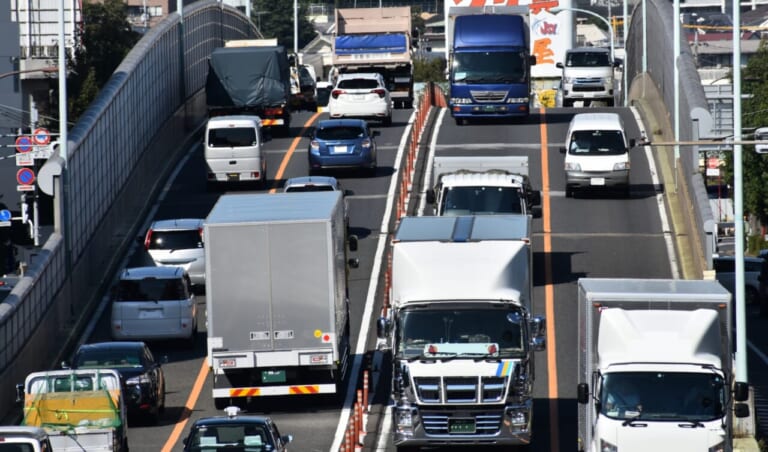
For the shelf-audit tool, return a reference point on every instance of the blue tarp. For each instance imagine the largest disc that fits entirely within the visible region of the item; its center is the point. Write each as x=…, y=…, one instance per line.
x=352, y=44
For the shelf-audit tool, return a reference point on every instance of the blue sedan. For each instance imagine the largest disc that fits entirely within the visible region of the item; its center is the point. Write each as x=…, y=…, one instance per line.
x=343, y=143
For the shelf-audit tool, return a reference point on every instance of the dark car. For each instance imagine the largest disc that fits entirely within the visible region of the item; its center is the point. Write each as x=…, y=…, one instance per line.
x=235, y=432
x=143, y=375
x=343, y=143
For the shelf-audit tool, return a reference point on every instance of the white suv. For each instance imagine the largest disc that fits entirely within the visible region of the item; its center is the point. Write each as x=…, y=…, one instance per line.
x=151, y=303
x=361, y=95
x=178, y=242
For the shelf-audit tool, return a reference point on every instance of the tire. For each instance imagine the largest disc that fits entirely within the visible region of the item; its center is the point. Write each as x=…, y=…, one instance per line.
x=568, y=192
x=610, y=102
x=460, y=121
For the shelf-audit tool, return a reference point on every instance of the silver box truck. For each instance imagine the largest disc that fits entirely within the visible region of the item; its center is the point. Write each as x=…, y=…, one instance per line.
x=655, y=366
x=276, y=294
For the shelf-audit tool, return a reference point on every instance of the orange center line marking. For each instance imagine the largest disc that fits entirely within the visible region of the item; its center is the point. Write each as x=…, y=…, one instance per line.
x=197, y=388
x=549, y=296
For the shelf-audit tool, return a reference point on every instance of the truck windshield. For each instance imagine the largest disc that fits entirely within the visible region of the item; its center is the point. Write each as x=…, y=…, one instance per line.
x=662, y=396
x=232, y=137
x=597, y=142
x=481, y=201
x=420, y=328
x=490, y=67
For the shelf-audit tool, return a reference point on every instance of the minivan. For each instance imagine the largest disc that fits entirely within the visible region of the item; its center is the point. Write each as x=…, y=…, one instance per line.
x=597, y=153
x=153, y=303
x=588, y=76
x=233, y=150
x=178, y=242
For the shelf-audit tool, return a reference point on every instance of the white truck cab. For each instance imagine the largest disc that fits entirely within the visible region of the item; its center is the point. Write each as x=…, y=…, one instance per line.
x=21, y=438
x=233, y=149
x=587, y=76
x=597, y=153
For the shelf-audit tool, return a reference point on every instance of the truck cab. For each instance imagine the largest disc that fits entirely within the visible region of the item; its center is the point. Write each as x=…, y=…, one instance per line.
x=24, y=439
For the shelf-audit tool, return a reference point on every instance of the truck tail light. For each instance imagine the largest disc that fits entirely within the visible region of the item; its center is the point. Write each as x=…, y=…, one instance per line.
x=335, y=93
x=274, y=111
x=380, y=92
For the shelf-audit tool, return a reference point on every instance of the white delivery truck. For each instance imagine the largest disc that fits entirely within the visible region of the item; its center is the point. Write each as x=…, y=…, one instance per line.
x=276, y=294
x=481, y=185
x=655, y=366
x=461, y=331
x=81, y=410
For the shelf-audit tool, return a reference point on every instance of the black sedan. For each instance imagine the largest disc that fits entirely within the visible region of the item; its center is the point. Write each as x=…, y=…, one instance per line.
x=143, y=375
x=235, y=432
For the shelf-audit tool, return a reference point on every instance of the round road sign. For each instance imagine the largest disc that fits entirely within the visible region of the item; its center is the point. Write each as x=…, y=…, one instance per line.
x=25, y=176
x=41, y=136
x=5, y=215
x=23, y=144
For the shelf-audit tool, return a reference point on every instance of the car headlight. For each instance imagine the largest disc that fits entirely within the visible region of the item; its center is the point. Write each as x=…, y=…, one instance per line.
x=141, y=379
x=404, y=417
x=568, y=80
x=605, y=446
x=517, y=416
x=621, y=166
x=571, y=166
x=719, y=447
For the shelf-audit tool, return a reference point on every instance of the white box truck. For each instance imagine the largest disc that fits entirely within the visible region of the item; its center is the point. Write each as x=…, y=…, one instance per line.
x=461, y=331
x=276, y=294
x=655, y=366
x=481, y=185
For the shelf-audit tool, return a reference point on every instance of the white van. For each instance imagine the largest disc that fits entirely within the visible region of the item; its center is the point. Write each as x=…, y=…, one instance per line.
x=596, y=153
x=233, y=150
x=587, y=76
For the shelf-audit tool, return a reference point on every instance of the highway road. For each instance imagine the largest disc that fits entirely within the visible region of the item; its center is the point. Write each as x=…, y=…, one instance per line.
x=598, y=235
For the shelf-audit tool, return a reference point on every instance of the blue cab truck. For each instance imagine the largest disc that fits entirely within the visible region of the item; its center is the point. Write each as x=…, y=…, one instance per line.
x=489, y=63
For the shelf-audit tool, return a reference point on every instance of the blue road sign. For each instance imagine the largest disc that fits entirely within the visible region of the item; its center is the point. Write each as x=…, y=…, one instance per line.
x=24, y=144
x=25, y=176
x=5, y=215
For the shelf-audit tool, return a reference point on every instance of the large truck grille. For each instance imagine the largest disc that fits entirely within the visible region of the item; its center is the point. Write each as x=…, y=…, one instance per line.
x=486, y=423
x=489, y=96
x=452, y=390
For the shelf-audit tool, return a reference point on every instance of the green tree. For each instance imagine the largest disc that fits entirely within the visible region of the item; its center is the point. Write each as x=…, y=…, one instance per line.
x=429, y=70
x=276, y=19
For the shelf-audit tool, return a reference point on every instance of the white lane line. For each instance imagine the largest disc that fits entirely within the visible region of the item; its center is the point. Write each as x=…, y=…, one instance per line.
x=673, y=264
x=372, y=287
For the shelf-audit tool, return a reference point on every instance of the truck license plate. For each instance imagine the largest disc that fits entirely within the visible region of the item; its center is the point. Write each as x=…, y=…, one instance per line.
x=461, y=425
x=233, y=177
x=273, y=376
x=597, y=181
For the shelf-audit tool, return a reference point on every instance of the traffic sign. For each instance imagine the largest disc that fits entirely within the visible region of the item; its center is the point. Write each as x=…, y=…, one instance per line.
x=24, y=144
x=41, y=136
x=25, y=176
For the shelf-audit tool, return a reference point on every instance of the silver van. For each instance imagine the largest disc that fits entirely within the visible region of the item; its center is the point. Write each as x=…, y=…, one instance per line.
x=178, y=242
x=233, y=150
x=153, y=303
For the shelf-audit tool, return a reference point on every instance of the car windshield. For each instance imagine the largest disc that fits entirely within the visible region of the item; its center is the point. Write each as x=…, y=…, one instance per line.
x=232, y=137
x=16, y=447
x=175, y=240
x=671, y=396
x=110, y=359
x=482, y=201
x=597, y=142
x=588, y=59
x=467, y=329
x=150, y=289
x=358, y=83
x=340, y=133
x=228, y=436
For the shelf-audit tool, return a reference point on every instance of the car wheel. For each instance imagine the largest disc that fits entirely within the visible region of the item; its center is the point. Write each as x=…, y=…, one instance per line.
x=460, y=121
x=568, y=192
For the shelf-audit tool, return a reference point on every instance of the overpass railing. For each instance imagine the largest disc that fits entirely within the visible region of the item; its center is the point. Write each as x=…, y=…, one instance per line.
x=114, y=166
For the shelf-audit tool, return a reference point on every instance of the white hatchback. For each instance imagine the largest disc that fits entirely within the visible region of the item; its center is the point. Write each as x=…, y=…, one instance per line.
x=153, y=303
x=178, y=242
x=361, y=95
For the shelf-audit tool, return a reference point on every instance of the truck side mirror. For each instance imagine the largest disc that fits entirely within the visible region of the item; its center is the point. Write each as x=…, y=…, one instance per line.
x=352, y=241
x=534, y=198
x=532, y=60
x=741, y=410
x=539, y=343
x=562, y=150
x=740, y=391
x=431, y=196
x=287, y=438
x=383, y=327
x=559, y=65
x=582, y=393
x=538, y=326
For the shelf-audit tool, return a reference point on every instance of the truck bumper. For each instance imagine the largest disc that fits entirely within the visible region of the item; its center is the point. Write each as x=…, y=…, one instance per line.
x=428, y=426
x=489, y=110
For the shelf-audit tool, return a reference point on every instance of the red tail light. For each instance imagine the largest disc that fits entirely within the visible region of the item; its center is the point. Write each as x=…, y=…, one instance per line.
x=200, y=230
x=276, y=111
x=148, y=239
x=380, y=92
x=335, y=93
